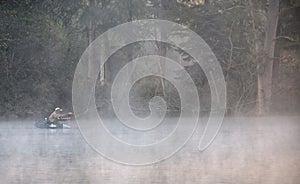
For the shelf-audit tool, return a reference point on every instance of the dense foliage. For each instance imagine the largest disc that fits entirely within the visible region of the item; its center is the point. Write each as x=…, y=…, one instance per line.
x=41, y=42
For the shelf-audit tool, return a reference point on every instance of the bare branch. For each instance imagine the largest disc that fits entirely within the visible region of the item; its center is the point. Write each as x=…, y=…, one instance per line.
x=286, y=38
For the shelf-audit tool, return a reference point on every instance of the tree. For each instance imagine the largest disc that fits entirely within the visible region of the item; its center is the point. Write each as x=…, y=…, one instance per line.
x=265, y=67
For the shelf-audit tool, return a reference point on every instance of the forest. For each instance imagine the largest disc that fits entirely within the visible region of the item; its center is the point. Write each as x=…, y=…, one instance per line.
x=257, y=43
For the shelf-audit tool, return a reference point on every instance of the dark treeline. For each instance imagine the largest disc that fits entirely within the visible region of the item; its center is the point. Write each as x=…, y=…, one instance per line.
x=257, y=42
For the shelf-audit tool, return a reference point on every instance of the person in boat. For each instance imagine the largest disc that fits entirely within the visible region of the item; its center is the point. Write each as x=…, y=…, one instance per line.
x=55, y=116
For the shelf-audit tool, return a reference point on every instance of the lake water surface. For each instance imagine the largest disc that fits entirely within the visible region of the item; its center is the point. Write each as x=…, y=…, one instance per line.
x=246, y=151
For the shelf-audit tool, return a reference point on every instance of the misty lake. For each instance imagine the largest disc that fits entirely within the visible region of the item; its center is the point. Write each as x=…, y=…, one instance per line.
x=246, y=150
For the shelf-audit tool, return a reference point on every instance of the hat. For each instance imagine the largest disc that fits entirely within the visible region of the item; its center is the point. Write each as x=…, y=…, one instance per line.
x=57, y=108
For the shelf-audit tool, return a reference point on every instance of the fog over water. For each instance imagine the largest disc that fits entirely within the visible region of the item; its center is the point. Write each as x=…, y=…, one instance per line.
x=150, y=70
x=246, y=150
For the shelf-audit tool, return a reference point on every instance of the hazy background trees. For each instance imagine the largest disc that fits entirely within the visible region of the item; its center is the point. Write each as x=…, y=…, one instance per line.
x=256, y=43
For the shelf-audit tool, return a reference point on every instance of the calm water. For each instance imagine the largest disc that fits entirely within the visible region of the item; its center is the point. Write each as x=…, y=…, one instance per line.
x=264, y=150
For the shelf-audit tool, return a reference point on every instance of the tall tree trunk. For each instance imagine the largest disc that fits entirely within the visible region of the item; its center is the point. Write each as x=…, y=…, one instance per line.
x=104, y=69
x=265, y=67
x=162, y=47
x=91, y=37
x=90, y=65
x=276, y=64
x=257, y=48
x=162, y=52
x=130, y=70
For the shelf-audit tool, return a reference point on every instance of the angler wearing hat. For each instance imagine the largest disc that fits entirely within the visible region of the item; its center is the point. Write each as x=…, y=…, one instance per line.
x=55, y=116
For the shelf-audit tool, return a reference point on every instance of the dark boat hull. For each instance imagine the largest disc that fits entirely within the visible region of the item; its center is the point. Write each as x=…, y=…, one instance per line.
x=45, y=124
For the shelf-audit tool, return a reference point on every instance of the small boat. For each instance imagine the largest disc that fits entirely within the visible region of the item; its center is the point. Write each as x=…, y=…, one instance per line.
x=46, y=124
